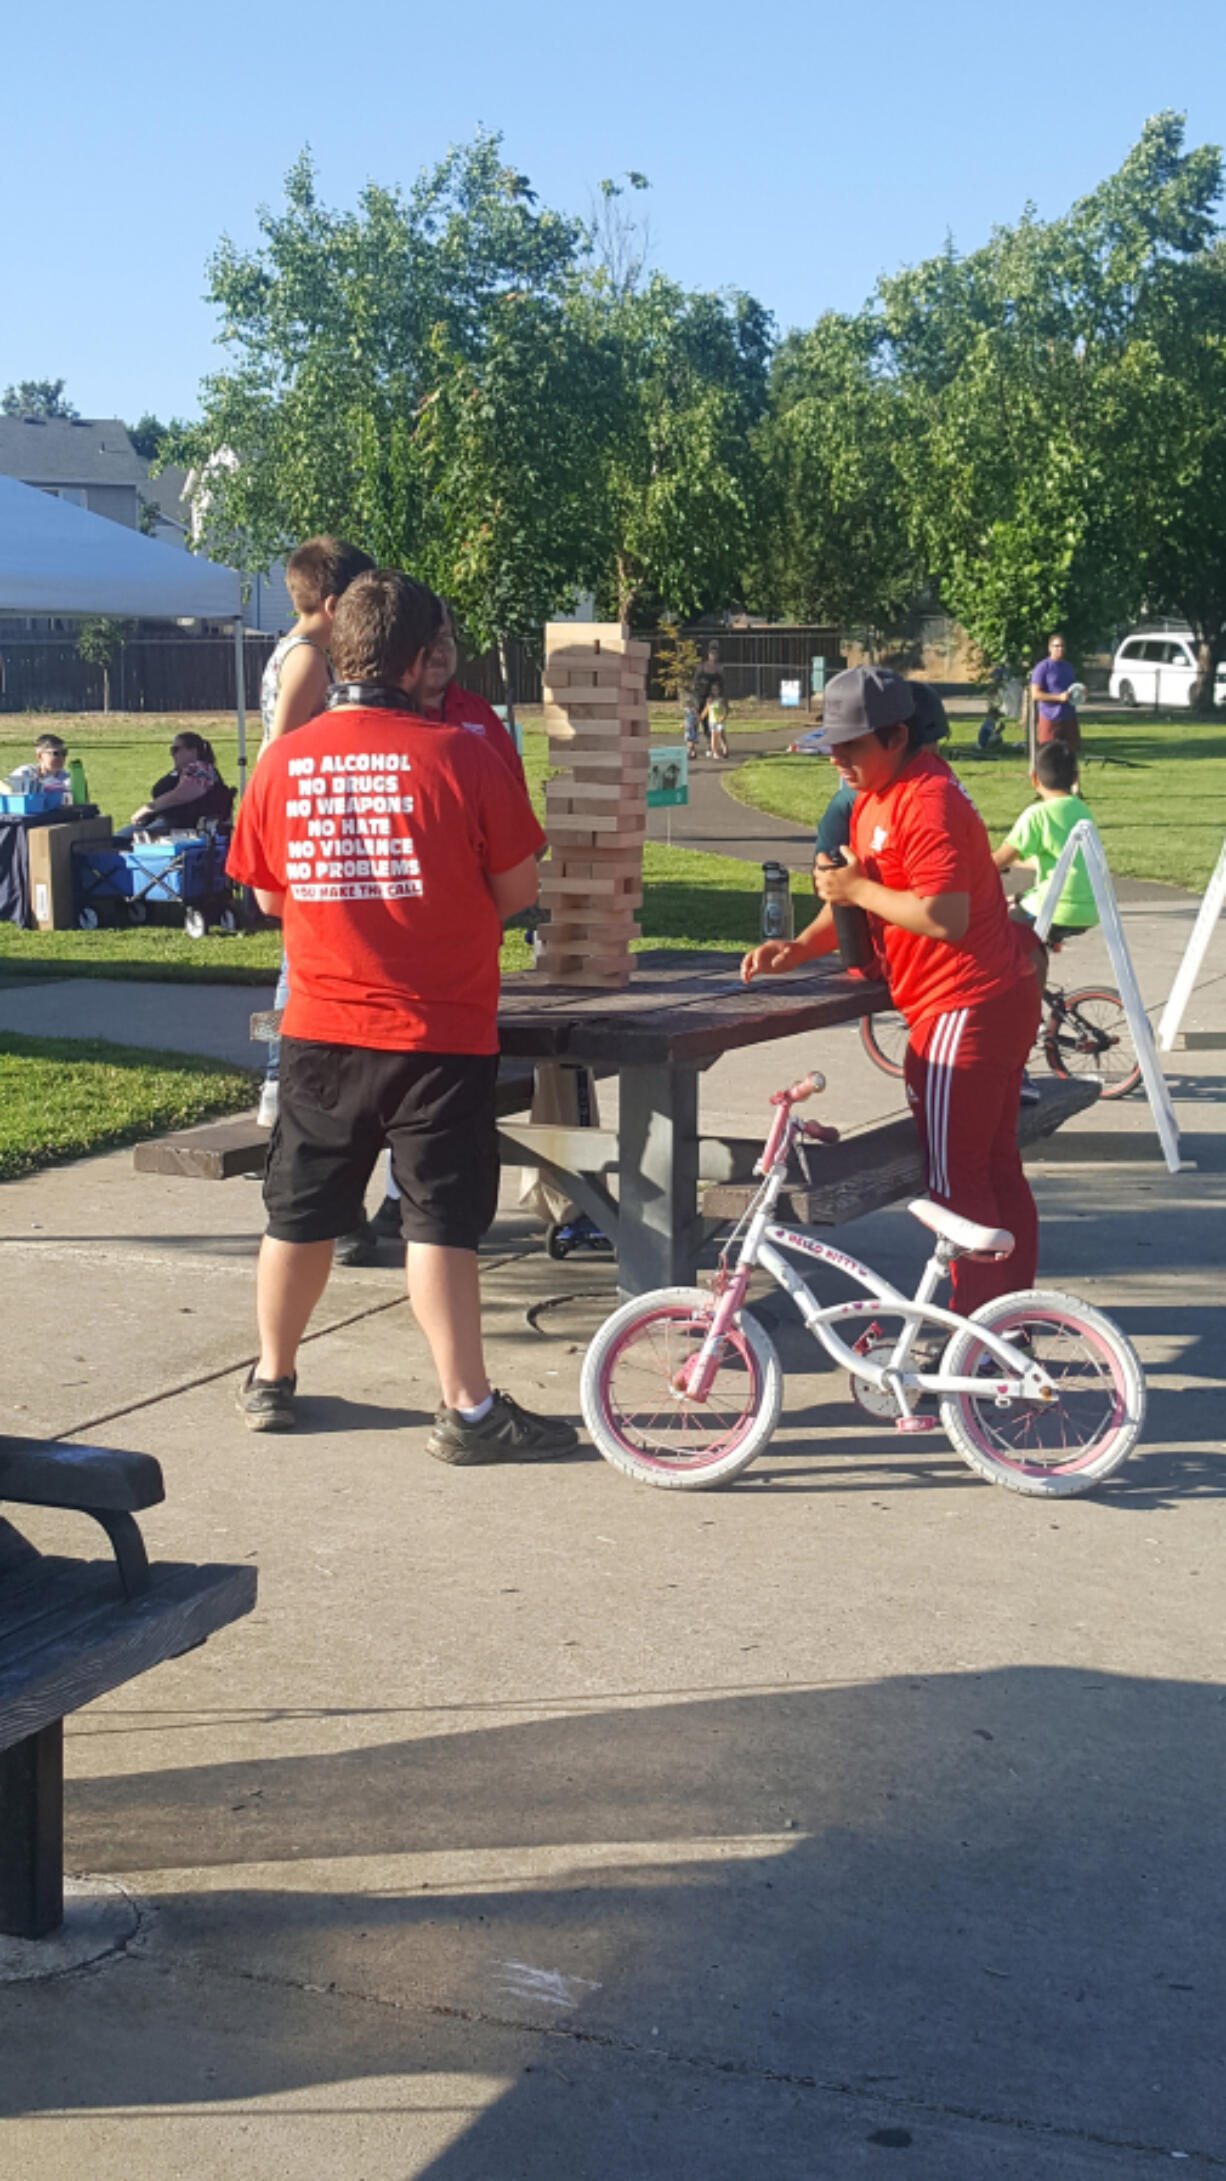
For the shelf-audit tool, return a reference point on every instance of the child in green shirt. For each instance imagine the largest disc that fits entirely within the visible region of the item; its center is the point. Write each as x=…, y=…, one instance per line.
x=1039, y=837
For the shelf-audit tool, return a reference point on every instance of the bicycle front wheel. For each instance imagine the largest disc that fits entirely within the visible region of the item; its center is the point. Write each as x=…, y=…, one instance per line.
x=639, y=1421
x=884, y=1038
x=1088, y=1034
x=1047, y=1449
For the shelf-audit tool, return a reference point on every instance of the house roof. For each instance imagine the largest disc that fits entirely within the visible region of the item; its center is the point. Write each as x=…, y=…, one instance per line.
x=69, y=451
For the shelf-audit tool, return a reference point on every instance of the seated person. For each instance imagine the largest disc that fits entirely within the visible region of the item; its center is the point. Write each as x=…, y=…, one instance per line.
x=186, y=797
x=49, y=772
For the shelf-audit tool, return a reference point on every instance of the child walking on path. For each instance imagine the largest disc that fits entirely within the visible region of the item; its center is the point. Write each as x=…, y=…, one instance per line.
x=1038, y=839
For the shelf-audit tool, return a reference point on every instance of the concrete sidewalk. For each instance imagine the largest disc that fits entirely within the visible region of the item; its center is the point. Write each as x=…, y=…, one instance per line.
x=539, y=1828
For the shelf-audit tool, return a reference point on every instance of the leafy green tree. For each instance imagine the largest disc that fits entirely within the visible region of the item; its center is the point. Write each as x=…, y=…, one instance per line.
x=98, y=639
x=37, y=398
x=147, y=434
x=835, y=544
x=679, y=473
x=503, y=458
x=336, y=323
x=1030, y=379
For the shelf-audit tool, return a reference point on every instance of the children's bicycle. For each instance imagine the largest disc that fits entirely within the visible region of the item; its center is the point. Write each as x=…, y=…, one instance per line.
x=1036, y=1390
x=1084, y=1033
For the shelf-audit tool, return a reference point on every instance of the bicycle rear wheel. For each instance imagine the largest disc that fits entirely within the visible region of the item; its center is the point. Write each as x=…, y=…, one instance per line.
x=1089, y=1035
x=644, y=1427
x=1047, y=1450
x=884, y=1038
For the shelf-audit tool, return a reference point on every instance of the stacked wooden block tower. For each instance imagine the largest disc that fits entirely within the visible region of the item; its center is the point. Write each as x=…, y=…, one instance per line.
x=595, y=812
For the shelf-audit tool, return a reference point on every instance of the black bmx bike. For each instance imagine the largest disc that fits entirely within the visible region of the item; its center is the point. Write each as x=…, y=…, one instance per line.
x=1083, y=1033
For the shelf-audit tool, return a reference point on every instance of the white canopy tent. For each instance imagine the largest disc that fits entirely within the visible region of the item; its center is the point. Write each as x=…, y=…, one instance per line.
x=56, y=558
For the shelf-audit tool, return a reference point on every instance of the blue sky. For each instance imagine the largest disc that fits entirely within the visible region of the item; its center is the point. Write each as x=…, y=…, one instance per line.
x=795, y=150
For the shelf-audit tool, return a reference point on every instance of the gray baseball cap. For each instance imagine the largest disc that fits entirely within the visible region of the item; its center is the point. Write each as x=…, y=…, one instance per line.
x=861, y=699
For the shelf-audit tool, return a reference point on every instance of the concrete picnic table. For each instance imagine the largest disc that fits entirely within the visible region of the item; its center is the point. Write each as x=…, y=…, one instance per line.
x=675, y=1018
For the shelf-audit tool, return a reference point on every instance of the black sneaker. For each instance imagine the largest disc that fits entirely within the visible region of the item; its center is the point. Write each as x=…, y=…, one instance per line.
x=387, y=1219
x=359, y=1248
x=267, y=1404
x=506, y=1433
x=1031, y=1093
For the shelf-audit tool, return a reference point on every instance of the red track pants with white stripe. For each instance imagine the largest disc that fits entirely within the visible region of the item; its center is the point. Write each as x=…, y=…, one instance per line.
x=964, y=1080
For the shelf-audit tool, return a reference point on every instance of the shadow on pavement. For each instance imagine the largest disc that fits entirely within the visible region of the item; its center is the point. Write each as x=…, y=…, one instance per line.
x=701, y=1937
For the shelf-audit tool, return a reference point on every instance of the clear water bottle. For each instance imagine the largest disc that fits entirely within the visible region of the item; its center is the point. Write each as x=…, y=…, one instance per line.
x=778, y=916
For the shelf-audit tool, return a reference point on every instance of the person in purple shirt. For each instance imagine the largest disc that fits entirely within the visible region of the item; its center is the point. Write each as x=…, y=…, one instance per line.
x=1052, y=677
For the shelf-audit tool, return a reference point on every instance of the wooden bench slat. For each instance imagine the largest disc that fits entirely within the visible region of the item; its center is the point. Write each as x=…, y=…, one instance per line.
x=879, y=1166
x=37, y=1613
x=183, y=1606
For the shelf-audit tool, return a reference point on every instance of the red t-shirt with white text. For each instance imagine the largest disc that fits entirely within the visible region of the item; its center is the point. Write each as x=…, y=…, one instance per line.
x=379, y=829
x=924, y=835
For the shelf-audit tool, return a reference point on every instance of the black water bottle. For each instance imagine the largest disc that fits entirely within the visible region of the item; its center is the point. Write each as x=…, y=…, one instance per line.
x=851, y=929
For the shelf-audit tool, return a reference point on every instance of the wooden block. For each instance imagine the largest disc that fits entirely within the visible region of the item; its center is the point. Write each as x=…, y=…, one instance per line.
x=559, y=633
x=599, y=889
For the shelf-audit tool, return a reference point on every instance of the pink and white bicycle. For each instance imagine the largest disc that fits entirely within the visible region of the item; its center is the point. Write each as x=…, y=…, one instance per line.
x=1037, y=1391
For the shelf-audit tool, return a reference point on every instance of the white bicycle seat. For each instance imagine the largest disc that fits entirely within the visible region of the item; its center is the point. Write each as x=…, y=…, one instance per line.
x=967, y=1238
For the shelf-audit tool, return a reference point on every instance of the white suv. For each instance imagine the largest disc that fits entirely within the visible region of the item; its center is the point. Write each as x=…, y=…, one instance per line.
x=1159, y=668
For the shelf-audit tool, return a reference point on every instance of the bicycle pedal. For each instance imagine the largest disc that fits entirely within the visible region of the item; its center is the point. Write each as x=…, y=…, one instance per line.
x=917, y=1423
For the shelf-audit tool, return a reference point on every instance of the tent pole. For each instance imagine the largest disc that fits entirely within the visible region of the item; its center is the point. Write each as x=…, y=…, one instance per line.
x=240, y=700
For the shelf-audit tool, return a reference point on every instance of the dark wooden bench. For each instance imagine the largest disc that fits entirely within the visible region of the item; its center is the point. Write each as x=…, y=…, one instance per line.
x=69, y=1631
x=219, y=1150
x=880, y=1165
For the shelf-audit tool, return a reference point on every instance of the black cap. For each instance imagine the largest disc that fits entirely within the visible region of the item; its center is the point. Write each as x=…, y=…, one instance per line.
x=862, y=699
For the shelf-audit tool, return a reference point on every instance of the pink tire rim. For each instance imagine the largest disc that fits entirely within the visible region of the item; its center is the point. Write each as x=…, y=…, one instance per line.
x=657, y=1429
x=1038, y=1441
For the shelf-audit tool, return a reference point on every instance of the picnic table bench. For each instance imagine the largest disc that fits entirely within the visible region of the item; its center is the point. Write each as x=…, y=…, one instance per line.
x=883, y=1164
x=69, y=1631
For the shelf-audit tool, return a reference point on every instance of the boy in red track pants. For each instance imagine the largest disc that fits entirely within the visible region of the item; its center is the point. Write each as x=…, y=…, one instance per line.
x=963, y=976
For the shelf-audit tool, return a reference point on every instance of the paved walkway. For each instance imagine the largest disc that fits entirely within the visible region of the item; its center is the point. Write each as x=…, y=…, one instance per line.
x=541, y=1828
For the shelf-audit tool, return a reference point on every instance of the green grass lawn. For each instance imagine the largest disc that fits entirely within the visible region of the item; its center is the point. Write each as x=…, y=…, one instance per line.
x=689, y=900
x=1156, y=790
x=62, y=1098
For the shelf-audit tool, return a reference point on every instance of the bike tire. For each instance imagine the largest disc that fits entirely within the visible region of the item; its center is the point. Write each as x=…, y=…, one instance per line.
x=678, y=1449
x=884, y=1038
x=1099, y=1010
x=1102, y=1407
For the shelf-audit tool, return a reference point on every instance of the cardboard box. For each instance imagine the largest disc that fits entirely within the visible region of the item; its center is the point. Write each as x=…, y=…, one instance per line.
x=51, y=890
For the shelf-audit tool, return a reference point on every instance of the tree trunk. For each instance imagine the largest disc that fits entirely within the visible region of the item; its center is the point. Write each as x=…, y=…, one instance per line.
x=1210, y=646
x=106, y=686
x=504, y=668
x=627, y=588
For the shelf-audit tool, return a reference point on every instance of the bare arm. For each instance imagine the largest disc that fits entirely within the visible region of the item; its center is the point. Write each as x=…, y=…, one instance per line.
x=515, y=889
x=269, y=904
x=775, y=957
x=1006, y=856
x=302, y=691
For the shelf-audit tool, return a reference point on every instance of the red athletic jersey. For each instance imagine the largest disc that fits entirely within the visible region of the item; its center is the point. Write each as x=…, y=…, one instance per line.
x=462, y=709
x=379, y=829
x=924, y=835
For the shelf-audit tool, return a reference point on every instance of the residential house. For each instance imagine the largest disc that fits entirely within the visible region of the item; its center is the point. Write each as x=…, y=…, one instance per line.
x=91, y=462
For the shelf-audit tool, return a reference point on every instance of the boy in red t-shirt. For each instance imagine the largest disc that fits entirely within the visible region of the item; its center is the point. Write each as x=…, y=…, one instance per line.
x=921, y=868
x=392, y=847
